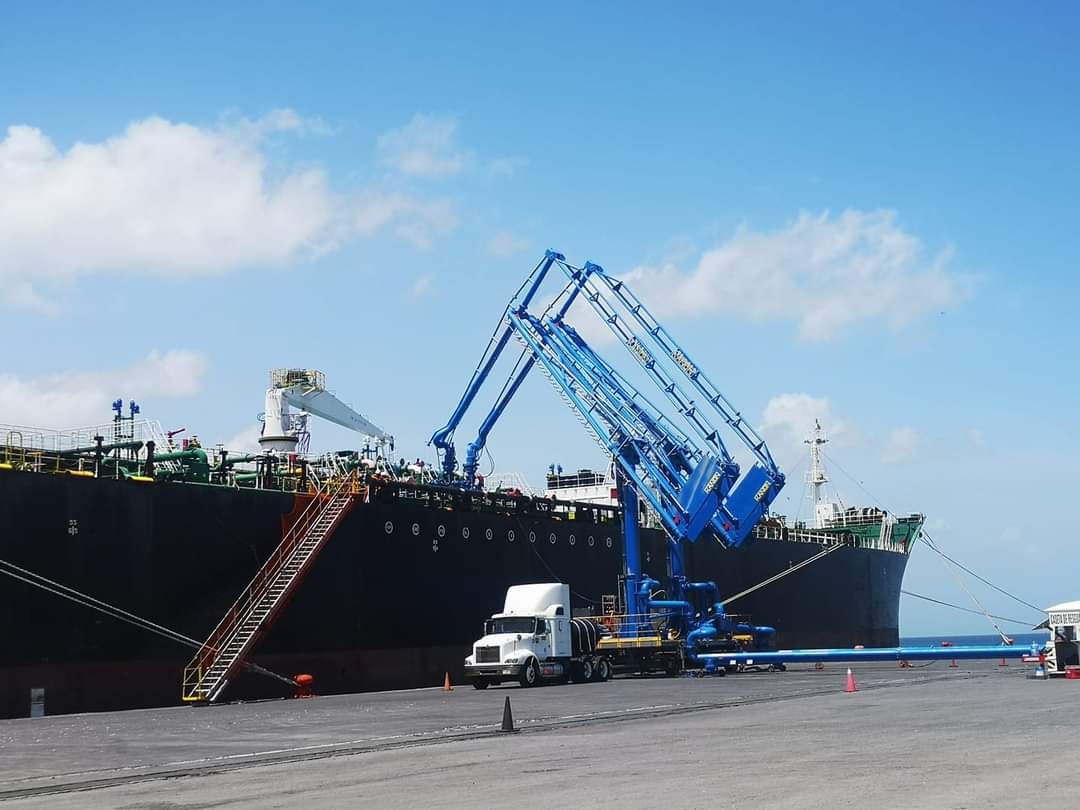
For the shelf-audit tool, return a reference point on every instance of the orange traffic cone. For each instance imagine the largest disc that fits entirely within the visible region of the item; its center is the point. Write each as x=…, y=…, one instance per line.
x=851, y=687
x=446, y=687
x=953, y=664
x=1003, y=663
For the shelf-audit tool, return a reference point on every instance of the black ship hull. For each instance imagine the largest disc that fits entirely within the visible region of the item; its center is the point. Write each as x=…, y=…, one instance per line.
x=394, y=601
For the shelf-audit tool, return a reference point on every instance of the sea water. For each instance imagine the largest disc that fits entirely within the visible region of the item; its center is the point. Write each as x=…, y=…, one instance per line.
x=1019, y=640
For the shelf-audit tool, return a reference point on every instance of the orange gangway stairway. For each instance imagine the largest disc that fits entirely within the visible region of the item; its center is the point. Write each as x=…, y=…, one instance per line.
x=252, y=614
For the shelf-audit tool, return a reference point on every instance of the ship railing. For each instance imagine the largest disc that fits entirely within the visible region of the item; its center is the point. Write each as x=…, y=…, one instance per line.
x=259, y=585
x=143, y=430
x=859, y=519
x=24, y=437
x=513, y=480
x=772, y=531
x=56, y=441
x=30, y=459
x=500, y=503
x=581, y=479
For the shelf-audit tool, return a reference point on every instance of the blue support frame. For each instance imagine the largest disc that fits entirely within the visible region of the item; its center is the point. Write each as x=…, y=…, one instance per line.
x=696, y=491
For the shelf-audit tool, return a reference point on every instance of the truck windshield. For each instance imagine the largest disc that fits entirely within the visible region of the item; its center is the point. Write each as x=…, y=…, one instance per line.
x=509, y=625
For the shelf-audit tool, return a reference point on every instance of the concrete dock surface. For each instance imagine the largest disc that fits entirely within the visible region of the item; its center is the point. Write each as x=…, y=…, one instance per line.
x=929, y=736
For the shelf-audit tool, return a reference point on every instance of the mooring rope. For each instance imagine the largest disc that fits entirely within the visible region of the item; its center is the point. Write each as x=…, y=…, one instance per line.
x=926, y=538
x=782, y=574
x=959, y=581
x=929, y=542
x=958, y=607
x=85, y=600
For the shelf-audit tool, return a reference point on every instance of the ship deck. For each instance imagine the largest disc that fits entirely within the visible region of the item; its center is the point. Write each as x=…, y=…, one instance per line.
x=980, y=735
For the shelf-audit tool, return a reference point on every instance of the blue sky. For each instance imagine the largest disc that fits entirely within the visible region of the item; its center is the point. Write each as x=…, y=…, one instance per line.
x=861, y=213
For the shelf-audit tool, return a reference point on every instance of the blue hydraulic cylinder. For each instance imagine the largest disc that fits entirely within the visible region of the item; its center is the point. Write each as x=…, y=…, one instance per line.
x=988, y=651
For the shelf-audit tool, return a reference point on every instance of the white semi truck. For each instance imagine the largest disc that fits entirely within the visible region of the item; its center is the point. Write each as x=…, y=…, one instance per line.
x=534, y=639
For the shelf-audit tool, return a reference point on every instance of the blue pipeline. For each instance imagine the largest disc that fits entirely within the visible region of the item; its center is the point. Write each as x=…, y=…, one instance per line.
x=680, y=586
x=720, y=623
x=702, y=633
x=673, y=605
x=871, y=654
x=701, y=586
x=644, y=592
x=472, y=455
x=441, y=437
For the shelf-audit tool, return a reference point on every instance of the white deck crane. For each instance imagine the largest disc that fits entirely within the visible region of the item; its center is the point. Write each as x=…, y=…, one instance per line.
x=284, y=431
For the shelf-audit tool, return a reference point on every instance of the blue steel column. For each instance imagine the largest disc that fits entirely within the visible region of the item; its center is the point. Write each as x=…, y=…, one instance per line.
x=634, y=607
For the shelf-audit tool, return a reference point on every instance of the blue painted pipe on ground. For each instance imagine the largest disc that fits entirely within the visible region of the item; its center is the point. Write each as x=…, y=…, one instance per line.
x=871, y=654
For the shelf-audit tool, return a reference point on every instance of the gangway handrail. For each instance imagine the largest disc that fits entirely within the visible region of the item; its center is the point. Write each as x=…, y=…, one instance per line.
x=258, y=588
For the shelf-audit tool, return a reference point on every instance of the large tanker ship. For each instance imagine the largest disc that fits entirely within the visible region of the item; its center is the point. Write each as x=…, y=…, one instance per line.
x=397, y=593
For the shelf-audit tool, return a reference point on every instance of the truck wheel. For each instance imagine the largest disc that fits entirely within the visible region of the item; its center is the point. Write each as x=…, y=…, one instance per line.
x=586, y=671
x=480, y=683
x=603, y=670
x=530, y=675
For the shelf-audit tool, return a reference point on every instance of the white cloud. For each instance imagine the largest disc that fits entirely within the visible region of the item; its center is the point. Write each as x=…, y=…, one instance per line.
x=504, y=244
x=178, y=200
x=246, y=441
x=75, y=399
x=901, y=445
x=20, y=294
x=282, y=119
x=937, y=524
x=789, y=419
x=171, y=199
x=426, y=220
x=422, y=286
x=415, y=220
x=826, y=273
x=505, y=166
x=425, y=147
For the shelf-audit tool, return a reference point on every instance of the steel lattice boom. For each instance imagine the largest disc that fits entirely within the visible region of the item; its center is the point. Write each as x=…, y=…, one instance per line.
x=695, y=488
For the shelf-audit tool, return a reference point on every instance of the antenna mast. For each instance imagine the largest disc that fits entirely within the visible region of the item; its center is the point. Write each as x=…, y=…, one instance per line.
x=816, y=477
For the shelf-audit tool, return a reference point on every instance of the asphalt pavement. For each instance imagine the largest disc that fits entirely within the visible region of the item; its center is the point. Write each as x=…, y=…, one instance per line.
x=930, y=736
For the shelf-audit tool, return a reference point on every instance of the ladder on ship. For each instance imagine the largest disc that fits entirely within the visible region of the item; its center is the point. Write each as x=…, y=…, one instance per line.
x=252, y=614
